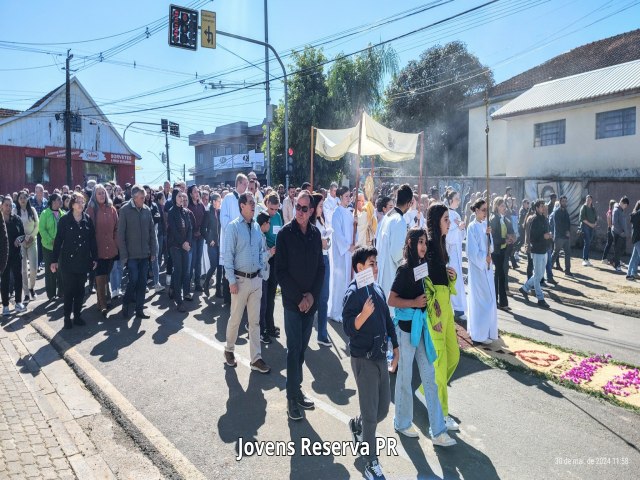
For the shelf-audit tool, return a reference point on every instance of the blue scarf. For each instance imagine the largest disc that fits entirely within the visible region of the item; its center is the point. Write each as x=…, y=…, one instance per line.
x=418, y=327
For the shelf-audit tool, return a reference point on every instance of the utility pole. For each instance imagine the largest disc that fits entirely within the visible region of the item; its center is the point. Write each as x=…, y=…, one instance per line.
x=67, y=122
x=266, y=64
x=184, y=172
x=166, y=140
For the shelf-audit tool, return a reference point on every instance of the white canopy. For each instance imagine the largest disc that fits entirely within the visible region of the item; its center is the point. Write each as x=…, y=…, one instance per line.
x=377, y=139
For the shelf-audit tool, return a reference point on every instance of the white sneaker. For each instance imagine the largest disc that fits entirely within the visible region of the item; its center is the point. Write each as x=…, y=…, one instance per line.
x=410, y=431
x=444, y=440
x=451, y=424
x=6, y=312
x=463, y=317
x=488, y=341
x=158, y=288
x=20, y=307
x=589, y=264
x=585, y=263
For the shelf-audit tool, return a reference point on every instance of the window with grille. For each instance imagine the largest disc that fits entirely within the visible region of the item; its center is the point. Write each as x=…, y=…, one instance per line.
x=36, y=170
x=616, y=123
x=549, y=133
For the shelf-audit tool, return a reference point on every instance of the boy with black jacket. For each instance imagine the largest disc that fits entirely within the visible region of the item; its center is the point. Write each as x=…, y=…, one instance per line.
x=367, y=322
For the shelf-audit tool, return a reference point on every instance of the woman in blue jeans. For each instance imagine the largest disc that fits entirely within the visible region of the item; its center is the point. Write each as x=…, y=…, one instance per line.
x=323, y=301
x=409, y=299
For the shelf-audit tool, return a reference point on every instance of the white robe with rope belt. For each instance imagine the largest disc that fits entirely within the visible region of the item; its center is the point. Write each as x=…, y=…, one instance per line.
x=454, y=249
x=342, y=223
x=482, y=322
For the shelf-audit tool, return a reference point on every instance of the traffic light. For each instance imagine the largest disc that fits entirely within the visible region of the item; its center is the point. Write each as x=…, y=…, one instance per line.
x=289, y=163
x=165, y=125
x=183, y=27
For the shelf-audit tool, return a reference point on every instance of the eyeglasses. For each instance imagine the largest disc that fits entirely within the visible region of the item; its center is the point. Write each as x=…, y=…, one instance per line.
x=301, y=208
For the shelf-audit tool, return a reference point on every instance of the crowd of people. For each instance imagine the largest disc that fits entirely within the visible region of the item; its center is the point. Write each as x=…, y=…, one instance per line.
x=319, y=247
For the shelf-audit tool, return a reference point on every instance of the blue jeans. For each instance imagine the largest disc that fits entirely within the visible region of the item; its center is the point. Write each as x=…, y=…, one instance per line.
x=549, y=264
x=587, y=232
x=136, y=288
x=323, y=302
x=297, y=326
x=539, y=263
x=116, y=275
x=634, y=261
x=404, y=391
x=196, y=260
x=180, y=277
x=214, y=259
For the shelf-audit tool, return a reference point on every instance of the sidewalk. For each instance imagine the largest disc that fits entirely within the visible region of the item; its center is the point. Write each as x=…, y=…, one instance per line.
x=599, y=287
x=47, y=416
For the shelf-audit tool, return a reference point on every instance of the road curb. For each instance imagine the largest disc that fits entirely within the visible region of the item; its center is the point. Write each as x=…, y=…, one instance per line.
x=595, y=305
x=169, y=460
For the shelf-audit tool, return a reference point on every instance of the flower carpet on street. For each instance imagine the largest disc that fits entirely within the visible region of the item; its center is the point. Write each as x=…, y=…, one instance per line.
x=598, y=374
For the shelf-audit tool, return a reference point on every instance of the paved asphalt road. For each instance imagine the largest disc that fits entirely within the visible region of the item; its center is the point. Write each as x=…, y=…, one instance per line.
x=513, y=426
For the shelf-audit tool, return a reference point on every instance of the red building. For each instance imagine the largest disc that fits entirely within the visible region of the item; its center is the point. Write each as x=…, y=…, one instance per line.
x=32, y=144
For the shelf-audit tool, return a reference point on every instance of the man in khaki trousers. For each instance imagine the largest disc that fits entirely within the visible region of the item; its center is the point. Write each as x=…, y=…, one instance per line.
x=243, y=264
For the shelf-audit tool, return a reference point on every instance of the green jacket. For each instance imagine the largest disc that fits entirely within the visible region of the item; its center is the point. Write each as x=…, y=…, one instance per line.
x=49, y=227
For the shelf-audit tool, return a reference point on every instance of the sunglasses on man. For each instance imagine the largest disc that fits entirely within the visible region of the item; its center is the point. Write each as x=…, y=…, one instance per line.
x=301, y=208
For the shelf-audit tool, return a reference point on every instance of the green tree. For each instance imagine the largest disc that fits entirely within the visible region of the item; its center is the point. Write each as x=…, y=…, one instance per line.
x=430, y=94
x=334, y=100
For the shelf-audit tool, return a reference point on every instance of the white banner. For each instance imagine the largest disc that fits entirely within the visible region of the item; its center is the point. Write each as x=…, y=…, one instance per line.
x=222, y=163
x=250, y=160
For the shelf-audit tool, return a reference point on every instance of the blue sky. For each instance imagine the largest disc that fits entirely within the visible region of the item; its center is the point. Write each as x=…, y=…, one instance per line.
x=509, y=35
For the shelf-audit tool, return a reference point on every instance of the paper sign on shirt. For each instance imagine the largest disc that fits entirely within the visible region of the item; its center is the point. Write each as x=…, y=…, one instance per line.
x=364, y=278
x=421, y=271
x=276, y=229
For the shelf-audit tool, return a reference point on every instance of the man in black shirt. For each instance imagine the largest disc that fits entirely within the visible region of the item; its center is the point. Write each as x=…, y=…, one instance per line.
x=562, y=235
x=538, y=238
x=300, y=272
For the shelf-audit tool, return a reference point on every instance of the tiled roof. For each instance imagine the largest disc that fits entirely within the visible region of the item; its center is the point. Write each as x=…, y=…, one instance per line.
x=7, y=112
x=592, y=56
x=604, y=82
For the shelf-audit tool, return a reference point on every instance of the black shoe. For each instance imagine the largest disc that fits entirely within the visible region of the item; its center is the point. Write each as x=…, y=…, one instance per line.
x=305, y=402
x=543, y=304
x=32, y=293
x=372, y=471
x=552, y=281
x=141, y=314
x=356, y=431
x=264, y=338
x=569, y=274
x=524, y=293
x=293, y=410
x=67, y=324
x=275, y=333
x=543, y=283
x=125, y=311
x=188, y=297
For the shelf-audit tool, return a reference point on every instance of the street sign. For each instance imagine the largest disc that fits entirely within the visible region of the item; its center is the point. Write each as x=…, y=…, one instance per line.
x=208, y=29
x=183, y=27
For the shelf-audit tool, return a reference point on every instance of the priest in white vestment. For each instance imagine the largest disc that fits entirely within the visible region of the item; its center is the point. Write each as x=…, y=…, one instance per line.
x=482, y=323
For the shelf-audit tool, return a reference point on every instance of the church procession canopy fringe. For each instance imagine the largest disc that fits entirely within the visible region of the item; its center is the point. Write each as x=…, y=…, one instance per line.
x=377, y=139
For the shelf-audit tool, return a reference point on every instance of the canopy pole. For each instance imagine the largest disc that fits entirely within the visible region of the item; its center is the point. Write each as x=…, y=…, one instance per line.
x=312, y=148
x=421, y=162
x=355, y=204
x=486, y=134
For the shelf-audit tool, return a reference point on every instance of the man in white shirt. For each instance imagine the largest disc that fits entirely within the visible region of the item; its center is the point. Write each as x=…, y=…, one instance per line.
x=289, y=204
x=229, y=211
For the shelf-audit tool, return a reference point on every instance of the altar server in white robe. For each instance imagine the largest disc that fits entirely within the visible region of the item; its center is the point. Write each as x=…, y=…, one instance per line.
x=482, y=323
x=391, y=239
x=454, y=240
x=342, y=248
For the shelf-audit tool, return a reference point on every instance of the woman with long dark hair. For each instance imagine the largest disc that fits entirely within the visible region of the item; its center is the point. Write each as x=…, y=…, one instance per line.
x=440, y=286
x=409, y=299
x=76, y=249
x=325, y=234
x=30, y=222
x=15, y=234
x=105, y=222
x=48, y=230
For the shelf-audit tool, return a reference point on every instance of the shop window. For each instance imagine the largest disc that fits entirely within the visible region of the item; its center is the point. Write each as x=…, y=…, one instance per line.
x=37, y=170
